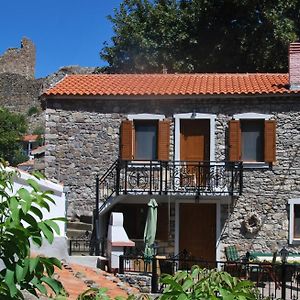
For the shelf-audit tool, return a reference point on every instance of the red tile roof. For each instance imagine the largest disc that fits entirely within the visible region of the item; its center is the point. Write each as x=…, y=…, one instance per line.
x=27, y=163
x=170, y=84
x=38, y=150
x=30, y=138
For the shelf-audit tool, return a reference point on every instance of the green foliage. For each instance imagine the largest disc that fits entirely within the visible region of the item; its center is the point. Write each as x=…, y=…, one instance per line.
x=206, y=284
x=12, y=127
x=94, y=293
x=21, y=220
x=39, y=130
x=201, y=36
x=33, y=110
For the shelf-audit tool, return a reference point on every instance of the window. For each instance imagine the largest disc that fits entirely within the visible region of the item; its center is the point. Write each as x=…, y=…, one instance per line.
x=252, y=138
x=143, y=139
x=297, y=221
x=252, y=134
x=294, y=221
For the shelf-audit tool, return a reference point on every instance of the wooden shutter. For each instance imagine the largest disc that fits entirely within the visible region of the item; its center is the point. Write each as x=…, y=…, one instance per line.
x=126, y=147
x=163, y=151
x=270, y=141
x=234, y=140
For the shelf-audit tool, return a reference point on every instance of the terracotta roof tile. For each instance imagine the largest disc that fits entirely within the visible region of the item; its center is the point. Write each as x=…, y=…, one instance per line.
x=30, y=138
x=171, y=84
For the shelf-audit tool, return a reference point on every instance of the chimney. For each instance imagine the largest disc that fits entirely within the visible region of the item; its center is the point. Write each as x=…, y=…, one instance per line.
x=294, y=66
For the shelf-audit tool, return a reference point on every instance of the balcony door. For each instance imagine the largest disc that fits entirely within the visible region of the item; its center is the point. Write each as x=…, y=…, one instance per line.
x=194, y=148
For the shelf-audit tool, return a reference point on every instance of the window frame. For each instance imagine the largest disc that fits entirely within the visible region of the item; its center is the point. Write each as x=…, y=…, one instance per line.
x=145, y=117
x=292, y=203
x=253, y=116
x=194, y=115
x=145, y=123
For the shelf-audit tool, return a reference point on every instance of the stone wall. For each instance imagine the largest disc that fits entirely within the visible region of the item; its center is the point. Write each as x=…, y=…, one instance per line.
x=19, y=90
x=83, y=139
x=19, y=61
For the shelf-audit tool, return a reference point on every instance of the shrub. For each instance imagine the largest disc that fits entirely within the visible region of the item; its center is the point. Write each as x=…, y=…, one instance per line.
x=12, y=127
x=206, y=284
x=33, y=110
x=21, y=220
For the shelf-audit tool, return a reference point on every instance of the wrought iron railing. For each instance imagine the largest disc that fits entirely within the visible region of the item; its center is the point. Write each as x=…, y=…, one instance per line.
x=82, y=245
x=193, y=178
x=273, y=281
x=171, y=178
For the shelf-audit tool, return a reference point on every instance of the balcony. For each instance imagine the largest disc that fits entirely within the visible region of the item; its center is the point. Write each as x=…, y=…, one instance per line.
x=171, y=178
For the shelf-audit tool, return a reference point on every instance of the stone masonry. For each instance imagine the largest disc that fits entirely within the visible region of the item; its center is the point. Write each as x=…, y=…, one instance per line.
x=19, y=61
x=83, y=139
x=19, y=90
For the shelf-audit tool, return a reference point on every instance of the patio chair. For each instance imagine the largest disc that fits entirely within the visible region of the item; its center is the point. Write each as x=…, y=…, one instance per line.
x=236, y=264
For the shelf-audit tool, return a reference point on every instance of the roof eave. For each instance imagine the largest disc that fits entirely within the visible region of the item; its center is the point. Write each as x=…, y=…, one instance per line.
x=166, y=97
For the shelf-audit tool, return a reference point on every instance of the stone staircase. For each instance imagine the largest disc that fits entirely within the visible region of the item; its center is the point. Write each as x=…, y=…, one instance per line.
x=78, y=229
x=79, y=234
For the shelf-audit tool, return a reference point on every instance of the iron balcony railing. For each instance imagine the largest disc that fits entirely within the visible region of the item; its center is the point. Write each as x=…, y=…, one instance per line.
x=172, y=178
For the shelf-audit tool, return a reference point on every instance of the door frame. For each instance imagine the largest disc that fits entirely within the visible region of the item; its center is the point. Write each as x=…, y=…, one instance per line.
x=192, y=116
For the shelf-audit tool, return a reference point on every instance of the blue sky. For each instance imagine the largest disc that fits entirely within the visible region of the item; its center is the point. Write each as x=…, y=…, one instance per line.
x=65, y=32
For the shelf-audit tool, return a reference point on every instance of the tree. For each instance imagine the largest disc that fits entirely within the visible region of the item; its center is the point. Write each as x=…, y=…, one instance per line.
x=202, y=35
x=12, y=127
x=21, y=220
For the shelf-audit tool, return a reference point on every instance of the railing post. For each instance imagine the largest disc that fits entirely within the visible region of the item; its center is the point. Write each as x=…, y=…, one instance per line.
x=70, y=247
x=154, y=278
x=96, y=219
x=121, y=264
x=118, y=171
x=160, y=177
x=241, y=177
x=150, y=192
x=166, y=164
x=283, y=280
x=125, y=183
x=232, y=180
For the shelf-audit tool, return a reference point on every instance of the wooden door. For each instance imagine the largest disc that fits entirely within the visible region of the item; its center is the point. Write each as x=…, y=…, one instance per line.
x=194, y=148
x=197, y=233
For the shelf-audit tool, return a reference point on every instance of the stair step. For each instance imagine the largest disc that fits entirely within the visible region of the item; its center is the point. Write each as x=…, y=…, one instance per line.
x=79, y=226
x=76, y=233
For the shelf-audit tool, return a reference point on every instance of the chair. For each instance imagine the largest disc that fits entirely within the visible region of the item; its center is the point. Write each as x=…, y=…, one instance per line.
x=232, y=254
x=166, y=266
x=269, y=269
x=235, y=264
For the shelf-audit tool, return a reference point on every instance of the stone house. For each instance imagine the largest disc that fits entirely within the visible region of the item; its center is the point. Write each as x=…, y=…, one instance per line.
x=220, y=153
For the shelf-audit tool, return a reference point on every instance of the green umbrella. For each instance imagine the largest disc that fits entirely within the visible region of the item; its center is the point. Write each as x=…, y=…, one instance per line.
x=150, y=229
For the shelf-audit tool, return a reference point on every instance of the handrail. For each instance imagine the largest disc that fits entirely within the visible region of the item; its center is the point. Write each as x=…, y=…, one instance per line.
x=191, y=178
x=171, y=177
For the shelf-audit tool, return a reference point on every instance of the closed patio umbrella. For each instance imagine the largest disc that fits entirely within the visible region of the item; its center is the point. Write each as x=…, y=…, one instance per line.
x=150, y=229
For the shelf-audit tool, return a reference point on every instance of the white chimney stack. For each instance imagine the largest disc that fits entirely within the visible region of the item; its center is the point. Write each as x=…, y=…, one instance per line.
x=294, y=66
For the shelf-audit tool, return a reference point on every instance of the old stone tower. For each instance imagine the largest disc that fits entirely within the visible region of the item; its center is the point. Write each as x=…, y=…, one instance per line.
x=19, y=61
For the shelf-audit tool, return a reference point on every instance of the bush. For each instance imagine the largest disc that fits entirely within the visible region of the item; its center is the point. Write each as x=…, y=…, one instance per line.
x=12, y=127
x=206, y=284
x=33, y=110
x=21, y=220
